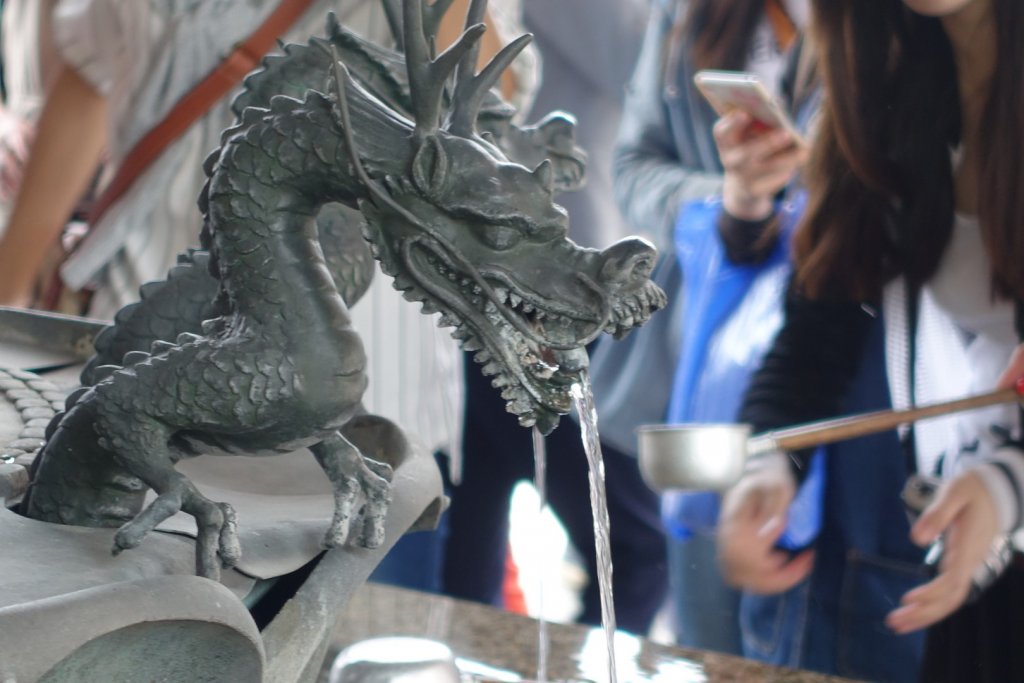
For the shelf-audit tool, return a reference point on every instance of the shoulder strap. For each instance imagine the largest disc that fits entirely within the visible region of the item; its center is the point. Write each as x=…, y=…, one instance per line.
x=195, y=103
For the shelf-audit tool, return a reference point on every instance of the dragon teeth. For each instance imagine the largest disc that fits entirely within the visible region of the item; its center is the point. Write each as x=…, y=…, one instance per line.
x=521, y=405
x=527, y=420
x=543, y=371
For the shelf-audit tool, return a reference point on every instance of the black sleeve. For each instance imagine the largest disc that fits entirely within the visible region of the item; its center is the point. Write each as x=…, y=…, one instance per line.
x=810, y=367
x=747, y=242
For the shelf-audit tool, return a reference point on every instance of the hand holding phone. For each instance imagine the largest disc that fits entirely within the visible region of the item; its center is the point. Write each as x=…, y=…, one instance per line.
x=727, y=91
x=759, y=149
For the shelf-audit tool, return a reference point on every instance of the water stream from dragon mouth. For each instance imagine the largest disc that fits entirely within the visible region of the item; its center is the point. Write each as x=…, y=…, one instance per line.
x=583, y=399
x=540, y=468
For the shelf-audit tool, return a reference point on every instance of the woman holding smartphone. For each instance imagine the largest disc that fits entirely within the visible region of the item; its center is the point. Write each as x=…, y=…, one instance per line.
x=666, y=154
x=916, y=180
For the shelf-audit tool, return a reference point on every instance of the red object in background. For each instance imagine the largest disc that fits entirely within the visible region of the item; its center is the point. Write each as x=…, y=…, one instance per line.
x=511, y=593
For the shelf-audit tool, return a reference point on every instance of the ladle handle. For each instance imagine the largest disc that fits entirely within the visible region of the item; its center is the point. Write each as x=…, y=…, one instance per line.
x=840, y=429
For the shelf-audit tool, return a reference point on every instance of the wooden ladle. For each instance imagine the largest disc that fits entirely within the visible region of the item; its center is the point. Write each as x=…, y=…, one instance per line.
x=712, y=456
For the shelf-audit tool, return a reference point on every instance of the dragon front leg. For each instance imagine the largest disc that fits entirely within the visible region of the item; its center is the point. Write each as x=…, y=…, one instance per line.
x=352, y=476
x=217, y=539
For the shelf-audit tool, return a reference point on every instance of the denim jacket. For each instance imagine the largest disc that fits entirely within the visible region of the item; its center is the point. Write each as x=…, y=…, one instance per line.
x=665, y=154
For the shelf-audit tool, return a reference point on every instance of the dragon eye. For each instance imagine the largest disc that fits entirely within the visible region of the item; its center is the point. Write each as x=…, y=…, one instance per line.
x=501, y=236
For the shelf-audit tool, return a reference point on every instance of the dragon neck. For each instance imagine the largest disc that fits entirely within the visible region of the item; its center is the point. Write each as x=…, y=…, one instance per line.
x=271, y=179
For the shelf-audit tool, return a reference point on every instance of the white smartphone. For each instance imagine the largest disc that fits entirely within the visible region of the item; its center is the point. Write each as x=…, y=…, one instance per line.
x=730, y=90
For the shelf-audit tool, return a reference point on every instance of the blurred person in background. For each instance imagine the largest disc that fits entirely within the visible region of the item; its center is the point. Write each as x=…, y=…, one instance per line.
x=666, y=155
x=587, y=50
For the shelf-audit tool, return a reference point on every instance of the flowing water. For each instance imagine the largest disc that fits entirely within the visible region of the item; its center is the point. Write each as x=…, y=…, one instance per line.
x=540, y=482
x=584, y=400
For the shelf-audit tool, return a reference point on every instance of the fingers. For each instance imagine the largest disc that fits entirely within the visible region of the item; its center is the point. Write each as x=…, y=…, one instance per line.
x=756, y=166
x=753, y=518
x=746, y=157
x=1014, y=371
x=729, y=130
x=965, y=515
x=949, y=503
x=760, y=568
x=788, y=573
x=929, y=603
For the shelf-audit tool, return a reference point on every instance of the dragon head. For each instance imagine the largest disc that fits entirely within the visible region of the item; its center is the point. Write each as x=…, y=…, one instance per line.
x=480, y=239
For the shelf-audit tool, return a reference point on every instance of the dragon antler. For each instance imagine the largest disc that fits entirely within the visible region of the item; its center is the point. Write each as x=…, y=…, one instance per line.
x=470, y=87
x=428, y=74
x=434, y=13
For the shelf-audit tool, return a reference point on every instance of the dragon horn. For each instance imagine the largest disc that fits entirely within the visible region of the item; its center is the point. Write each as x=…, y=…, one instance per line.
x=433, y=15
x=427, y=75
x=470, y=89
x=476, y=14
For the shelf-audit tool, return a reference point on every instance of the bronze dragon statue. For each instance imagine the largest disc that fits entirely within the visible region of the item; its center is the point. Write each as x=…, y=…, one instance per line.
x=186, y=298
x=458, y=226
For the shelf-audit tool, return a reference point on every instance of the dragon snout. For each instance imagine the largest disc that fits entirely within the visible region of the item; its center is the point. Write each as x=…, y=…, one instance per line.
x=559, y=131
x=627, y=264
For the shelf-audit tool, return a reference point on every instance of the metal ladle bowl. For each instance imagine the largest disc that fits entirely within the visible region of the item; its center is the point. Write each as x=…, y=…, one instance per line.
x=711, y=457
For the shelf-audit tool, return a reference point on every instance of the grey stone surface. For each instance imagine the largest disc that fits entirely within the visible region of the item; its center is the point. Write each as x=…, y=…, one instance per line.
x=505, y=645
x=34, y=402
x=26, y=444
x=13, y=480
x=25, y=460
x=174, y=629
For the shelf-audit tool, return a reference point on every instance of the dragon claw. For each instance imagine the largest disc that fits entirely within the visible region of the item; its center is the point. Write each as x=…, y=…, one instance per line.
x=230, y=549
x=217, y=543
x=344, y=503
x=371, y=483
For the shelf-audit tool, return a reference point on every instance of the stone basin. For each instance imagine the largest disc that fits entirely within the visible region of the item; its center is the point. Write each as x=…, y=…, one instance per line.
x=503, y=646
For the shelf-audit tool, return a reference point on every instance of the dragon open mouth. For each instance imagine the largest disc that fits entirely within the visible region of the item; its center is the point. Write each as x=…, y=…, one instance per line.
x=533, y=347
x=533, y=351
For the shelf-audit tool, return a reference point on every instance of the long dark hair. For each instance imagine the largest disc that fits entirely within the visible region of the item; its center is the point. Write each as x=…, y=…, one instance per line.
x=718, y=32
x=880, y=179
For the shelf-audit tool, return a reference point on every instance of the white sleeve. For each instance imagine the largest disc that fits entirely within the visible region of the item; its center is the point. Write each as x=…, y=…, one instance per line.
x=101, y=38
x=1003, y=476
